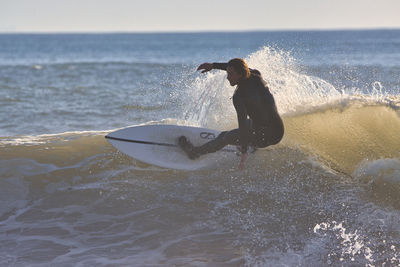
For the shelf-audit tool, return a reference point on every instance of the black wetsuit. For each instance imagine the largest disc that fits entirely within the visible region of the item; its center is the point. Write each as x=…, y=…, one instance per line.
x=259, y=122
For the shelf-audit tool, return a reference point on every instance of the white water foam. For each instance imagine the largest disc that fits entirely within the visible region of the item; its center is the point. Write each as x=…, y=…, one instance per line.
x=293, y=91
x=210, y=94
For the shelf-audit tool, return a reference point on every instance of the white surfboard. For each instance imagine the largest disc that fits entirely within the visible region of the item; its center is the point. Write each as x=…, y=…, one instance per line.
x=158, y=145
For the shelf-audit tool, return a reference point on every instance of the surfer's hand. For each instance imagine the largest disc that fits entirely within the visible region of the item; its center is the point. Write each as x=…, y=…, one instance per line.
x=205, y=67
x=242, y=160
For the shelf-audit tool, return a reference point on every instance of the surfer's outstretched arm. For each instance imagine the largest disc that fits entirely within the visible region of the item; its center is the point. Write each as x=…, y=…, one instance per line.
x=209, y=66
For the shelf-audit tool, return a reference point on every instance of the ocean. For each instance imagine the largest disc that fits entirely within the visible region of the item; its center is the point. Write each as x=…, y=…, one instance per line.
x=327, y=195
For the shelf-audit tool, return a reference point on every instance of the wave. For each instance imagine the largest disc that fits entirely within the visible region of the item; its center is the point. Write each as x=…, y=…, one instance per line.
x=341, y=137
x=342, y=126
x=347, y=135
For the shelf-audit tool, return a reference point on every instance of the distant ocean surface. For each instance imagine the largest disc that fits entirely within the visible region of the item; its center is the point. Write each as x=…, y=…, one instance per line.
x=327, y=195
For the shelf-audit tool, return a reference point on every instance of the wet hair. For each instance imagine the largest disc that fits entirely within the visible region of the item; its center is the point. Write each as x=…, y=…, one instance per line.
x=240, y=66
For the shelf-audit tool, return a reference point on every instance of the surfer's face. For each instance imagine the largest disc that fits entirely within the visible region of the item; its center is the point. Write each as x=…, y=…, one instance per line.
x=233, y=77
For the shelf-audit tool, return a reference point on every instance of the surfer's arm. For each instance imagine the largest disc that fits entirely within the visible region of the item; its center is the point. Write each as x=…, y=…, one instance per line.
x=219, y=66
x=242, y=121
x=209, y=66
x=224, y=66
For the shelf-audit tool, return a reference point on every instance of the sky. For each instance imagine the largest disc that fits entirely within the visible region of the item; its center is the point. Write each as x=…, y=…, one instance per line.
x=195, y=15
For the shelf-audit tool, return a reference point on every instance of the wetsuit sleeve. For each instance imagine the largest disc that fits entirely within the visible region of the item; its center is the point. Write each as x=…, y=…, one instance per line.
x=220, y=66
x=242, y=121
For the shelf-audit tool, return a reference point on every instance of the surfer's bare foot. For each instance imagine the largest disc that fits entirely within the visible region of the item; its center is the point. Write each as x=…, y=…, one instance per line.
x=187, y=147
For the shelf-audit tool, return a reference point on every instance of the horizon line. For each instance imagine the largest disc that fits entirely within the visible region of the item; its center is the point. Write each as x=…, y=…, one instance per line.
x=201, y=31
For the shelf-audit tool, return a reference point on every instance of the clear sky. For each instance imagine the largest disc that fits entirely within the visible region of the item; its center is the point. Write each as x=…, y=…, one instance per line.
x=194, y=15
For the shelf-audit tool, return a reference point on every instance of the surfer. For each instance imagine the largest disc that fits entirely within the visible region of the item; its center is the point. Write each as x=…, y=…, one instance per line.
x=259, y=122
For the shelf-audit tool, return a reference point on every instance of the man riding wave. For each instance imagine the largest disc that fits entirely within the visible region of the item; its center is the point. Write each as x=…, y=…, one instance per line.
x=259, y=122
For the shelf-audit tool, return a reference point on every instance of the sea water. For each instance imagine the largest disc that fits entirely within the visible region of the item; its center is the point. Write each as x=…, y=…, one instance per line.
x=327, y=195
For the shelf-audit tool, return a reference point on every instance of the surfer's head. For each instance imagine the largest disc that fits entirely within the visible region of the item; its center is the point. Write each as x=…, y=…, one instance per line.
x=237, y=70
